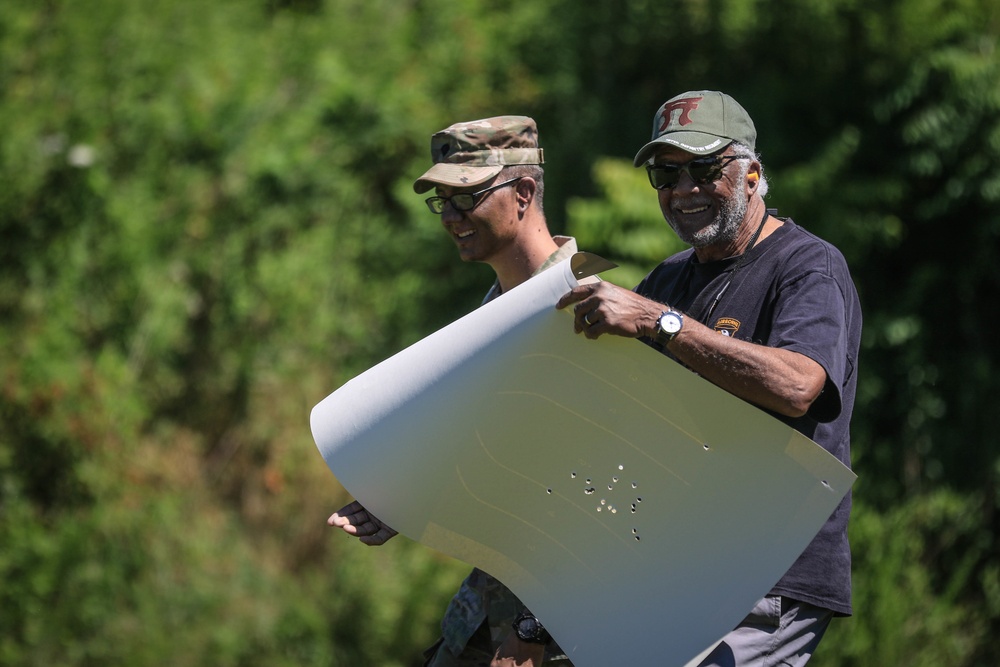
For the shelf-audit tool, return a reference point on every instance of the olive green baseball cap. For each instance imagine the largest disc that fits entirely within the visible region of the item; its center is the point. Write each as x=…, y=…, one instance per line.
x=700, y=122
x=473, y=152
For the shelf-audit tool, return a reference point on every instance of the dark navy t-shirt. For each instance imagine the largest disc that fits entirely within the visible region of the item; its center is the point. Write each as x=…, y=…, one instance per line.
x=792, y=291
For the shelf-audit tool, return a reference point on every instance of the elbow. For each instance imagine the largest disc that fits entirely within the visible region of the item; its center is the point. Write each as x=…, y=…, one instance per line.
x=800, y=399
x=796, y=409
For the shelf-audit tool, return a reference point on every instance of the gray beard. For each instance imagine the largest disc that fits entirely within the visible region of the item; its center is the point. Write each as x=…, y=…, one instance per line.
x=724, y=229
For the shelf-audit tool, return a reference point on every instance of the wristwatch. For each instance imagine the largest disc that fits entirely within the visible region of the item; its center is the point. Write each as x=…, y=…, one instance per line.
x=529, y=629
x=667, y=326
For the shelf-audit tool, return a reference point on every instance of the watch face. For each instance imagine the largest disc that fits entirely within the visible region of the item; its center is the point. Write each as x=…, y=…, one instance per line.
x=669, y=323
x=527, y=628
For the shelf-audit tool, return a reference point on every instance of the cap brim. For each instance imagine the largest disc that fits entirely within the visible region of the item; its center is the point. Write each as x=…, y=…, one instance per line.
x=697, y=143
x=455, y=176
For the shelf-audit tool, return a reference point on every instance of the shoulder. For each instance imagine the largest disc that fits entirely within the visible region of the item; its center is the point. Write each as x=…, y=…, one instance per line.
x=665, y=272
x=673, y=263
x=800, y=251
x=810, y=268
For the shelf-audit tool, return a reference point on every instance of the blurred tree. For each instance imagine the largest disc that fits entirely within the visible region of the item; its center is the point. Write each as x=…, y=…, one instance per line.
x=207, y=224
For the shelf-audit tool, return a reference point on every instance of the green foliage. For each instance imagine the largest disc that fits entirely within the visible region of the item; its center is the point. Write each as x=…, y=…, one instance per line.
x=626, y=224
x=190, y=249
x=208, y=225
x=920, y=598
x=155, y=576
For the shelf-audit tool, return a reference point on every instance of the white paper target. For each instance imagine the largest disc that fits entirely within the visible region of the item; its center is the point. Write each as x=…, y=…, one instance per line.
x=638, y=510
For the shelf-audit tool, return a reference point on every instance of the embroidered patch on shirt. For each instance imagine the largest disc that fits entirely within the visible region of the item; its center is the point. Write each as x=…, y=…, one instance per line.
x=727, y=326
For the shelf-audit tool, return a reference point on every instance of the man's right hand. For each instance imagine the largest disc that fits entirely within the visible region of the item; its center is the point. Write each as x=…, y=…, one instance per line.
x=355, y=520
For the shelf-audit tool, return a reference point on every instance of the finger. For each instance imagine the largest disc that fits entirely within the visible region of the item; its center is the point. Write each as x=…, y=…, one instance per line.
x=353, y=514
x=350, y=529
x=361, y=529
x=586, y=316
x=352, y=507
x=383, y=535
x=338, y=519
x=594, y=331
x=349, y=525
x=576, y=294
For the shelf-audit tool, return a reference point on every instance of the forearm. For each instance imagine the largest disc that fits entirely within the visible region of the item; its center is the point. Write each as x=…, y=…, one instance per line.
x=783, y=381
x=780, y=380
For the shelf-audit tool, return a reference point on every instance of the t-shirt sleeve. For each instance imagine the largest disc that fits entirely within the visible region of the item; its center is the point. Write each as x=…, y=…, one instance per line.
x=811, y=318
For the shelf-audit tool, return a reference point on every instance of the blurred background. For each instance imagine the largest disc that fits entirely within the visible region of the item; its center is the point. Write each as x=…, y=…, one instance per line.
x=208, y=225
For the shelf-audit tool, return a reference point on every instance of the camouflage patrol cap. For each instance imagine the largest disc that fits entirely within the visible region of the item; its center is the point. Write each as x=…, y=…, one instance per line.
x=473, y=152
x=700, y=122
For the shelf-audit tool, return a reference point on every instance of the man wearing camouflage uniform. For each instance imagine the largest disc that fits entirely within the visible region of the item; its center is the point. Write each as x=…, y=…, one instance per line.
x=488, y=183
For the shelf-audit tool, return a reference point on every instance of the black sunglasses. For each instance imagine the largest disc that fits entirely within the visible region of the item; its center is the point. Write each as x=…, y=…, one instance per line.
x=464, y=201
x=702, y=170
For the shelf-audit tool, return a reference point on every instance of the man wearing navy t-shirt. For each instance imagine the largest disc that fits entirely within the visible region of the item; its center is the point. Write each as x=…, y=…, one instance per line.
x=761, y=308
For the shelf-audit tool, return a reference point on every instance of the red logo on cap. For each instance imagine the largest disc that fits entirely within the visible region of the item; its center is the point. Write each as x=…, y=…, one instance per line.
x=685, y=107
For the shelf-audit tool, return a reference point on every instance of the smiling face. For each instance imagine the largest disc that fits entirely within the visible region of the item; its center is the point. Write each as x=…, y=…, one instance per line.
x=488, y=229
x=706, y=215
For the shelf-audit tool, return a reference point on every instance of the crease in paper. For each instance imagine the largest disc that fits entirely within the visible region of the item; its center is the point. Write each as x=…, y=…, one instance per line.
x=638, y=510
